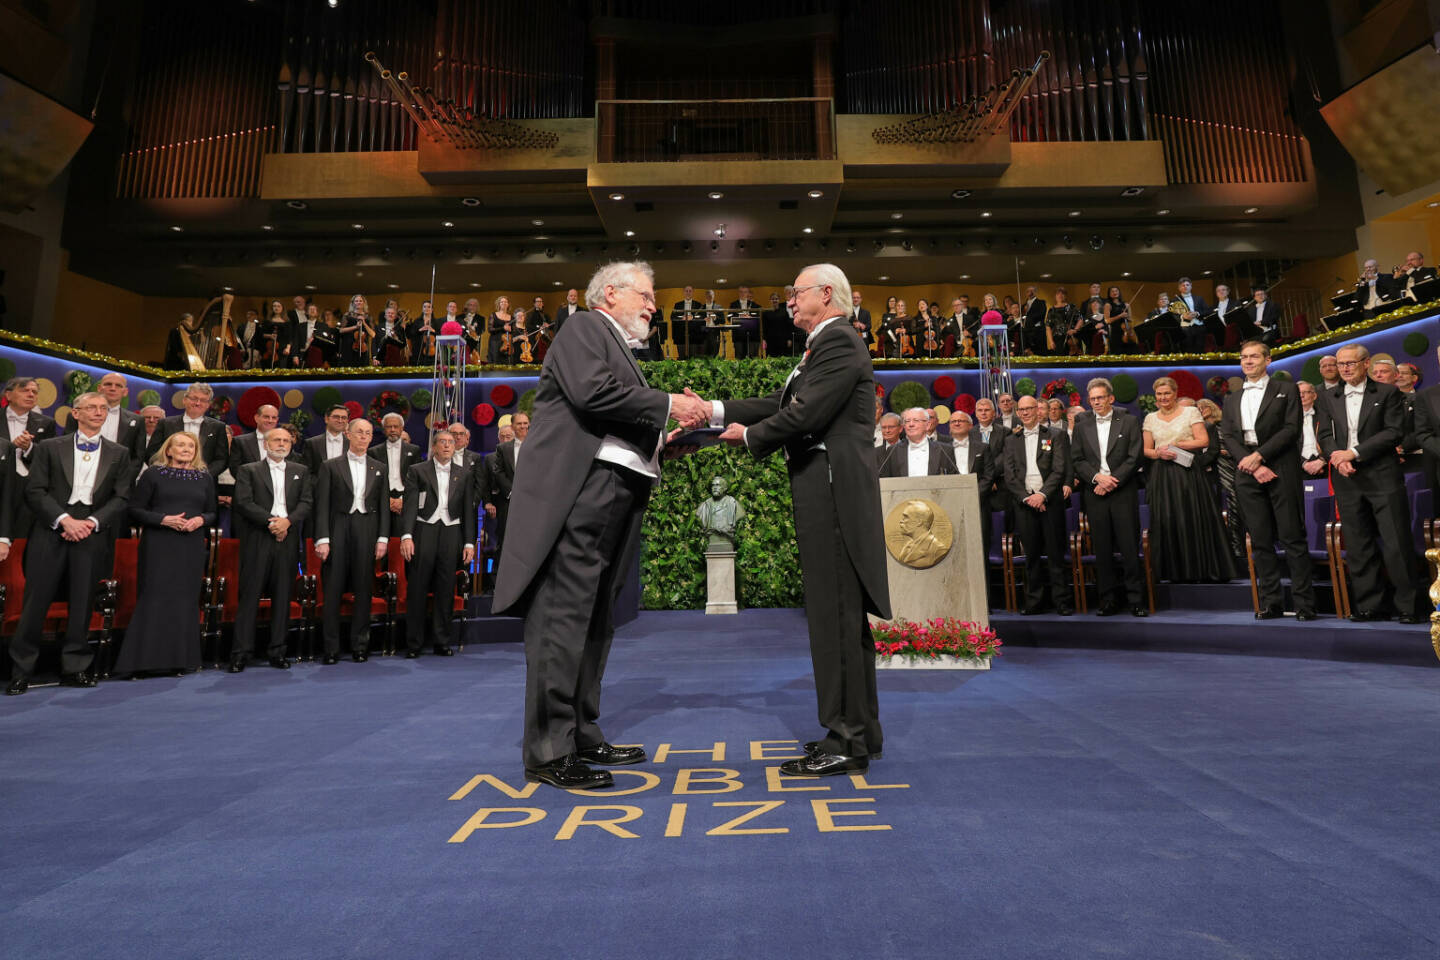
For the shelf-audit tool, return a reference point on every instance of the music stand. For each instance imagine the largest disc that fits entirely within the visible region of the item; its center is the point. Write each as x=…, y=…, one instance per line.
x=683, y=320
x=716, y=330
x=1426, y=290
x=748, y=321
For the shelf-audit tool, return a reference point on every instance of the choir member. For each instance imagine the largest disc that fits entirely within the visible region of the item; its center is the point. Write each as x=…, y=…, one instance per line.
x=77, y=490
x=1360, y=426
x=121, y=426
x=173, y=503
x=917, y=455
x=352, y=532
x=746, y=338
x=1261, y=428
x=778, y=326
x=1034, y=470
x=273, y=499
x=397, y=455
x=434, y=544
x=1106, y=448
x=1187, y=536
x=331, y=443
x=213, y=435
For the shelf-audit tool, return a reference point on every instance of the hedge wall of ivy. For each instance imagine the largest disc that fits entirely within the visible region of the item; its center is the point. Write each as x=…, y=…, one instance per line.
x=767, y=563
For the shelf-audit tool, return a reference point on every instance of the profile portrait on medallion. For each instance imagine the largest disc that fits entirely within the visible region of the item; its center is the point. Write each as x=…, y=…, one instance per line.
x=918, y=533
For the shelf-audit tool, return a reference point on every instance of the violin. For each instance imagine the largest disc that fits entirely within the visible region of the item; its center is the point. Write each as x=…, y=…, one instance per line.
x=907, y=345
x=932, y=345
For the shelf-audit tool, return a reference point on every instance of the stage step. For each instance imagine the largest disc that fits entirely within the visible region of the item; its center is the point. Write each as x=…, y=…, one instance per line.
x=481, y=626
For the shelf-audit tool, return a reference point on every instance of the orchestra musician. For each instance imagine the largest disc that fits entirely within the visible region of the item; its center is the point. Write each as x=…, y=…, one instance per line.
x=300, y=326
x=422, y=336
x=474, y=325
x=356, y=334
x=1413, y=271
x=1261, y=320
x=184, y=346
x=1160, y=328
x=1192, y=323
x=688, y=324
x=1120, y=330
x=324, y=349
x=501, y=328
x=248, y=334
x=1375, y=288
x=1062, y=323
x=1215, y=322
x=746, y=338
x=1033, y=312
x=566, y=310
x=274, y=335
x=390, y=344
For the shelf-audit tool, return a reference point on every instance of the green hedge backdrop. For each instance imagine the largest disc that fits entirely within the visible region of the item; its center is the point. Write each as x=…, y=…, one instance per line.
x=767, y=564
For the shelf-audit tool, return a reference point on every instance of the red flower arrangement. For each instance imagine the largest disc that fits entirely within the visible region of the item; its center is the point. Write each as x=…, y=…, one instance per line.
x=388, y=401
x=355, y=410
x=1219, y=387
x=933, y=639
x=502, y=395
x=1062, y=389
x=944, y=387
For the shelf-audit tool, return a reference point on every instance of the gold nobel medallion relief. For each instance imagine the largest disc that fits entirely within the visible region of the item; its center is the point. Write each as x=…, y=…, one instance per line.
x=918, y=533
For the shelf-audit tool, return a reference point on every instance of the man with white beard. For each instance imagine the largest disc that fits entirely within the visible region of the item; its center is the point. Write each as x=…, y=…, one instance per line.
x=575, y=510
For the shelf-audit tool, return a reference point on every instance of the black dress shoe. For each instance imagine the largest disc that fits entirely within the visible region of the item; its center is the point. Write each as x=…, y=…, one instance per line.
x=611, y=756
x=331, y=659
x=568, y=773
x=813, y=746
x=1032, y=609
x=76, y=680
x=411, y=654
x=443, y=651
x=17, y=686
x=1410, y=618
x=1108, y=610
x=1366, y=616
x=1270, y=613
x=1065, y=611
x=360, y=657
x=1139, y=611
x=1304, y=615
x=824, y=765
x=280, y=663
x=236, y=666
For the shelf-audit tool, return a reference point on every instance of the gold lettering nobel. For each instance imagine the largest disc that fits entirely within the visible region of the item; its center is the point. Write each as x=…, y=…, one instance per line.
x=707, y=780
x=580, y=817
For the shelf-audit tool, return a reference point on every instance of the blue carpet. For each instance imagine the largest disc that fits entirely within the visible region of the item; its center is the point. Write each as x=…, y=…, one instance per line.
x=1067, y=804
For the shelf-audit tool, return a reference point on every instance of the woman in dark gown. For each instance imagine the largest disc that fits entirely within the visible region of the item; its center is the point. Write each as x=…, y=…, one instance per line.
x=173, y=502
x=1187, y=537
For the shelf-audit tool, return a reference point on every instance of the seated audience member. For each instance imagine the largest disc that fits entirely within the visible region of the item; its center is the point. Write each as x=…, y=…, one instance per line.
x=173, y=503
x=917, y=455
x=273, y=499
x=1360, y=427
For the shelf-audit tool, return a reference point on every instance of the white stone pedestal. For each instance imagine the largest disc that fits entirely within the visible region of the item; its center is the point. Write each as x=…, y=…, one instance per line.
x=720, y=581
x=939, y=663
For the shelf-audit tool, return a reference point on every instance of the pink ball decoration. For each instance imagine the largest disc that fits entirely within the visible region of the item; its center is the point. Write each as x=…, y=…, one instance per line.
x=944, y=387
x=252, y=400
x=991, y=316
x=451, y=328
x=356, y=411
x=502, y=395
x=483, y=414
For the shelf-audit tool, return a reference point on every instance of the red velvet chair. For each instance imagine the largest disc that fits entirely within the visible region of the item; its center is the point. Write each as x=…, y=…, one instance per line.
x=225, y=595
x=12, y=596
x=382, y=602
x=1299, y=327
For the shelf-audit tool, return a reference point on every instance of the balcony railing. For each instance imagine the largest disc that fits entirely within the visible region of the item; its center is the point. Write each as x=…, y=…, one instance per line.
x=640, y=131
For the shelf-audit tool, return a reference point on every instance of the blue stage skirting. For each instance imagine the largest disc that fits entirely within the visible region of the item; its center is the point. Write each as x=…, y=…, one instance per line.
x=1066, y=804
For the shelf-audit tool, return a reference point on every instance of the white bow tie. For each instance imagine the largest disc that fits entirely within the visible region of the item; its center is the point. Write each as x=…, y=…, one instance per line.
x=194, y=423
x=17, y=417
x=355, y=459
x=1105, y=419
x=1255, y=386
x=1354, y=391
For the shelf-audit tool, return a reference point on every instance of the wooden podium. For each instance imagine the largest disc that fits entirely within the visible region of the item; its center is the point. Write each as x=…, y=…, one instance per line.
x=933, y=549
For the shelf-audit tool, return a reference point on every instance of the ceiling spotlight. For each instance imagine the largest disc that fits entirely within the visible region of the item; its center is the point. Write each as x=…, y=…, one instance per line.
x=266, y=227
x=1252, y=209
x=393, y=286
x=1433, y=203
x=470, y=201
x=228, y=289
x=769, y=245
x=178, y=229
x=1207, y=273
x=739, y=244
x=816, y=194
x=959, y=194
x=557, y=283
x=1132, y=191
x=879, y=245
x=1045, y=276
x=542, y=236
x=685, y=246
x=629, y=233
x=884, y=276
x=1097, y=242
x=447, y=223
x=906, y=244
x=309, y=286
x=333, y=3
x=897, y=216
x=357, y=226
x=719, y=279
x=719, y=230
x=297, y=204
x=802, y=229
x=1074, y=213
x=538, y=223
x=715, y=195
x=964, y=276
x=985, y=213
x=617, y=196
x=1164, y=211
x=714, y=245
x=1125, y=274
x=474, y=284
x=894, y=229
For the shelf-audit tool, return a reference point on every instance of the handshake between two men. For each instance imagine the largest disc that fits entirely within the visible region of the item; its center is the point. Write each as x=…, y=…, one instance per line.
x=693, y=412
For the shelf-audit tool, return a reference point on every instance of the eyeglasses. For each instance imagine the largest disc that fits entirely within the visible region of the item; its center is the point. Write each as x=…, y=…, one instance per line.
x=646, y=297
x=799, y=290
x=1348, y=363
